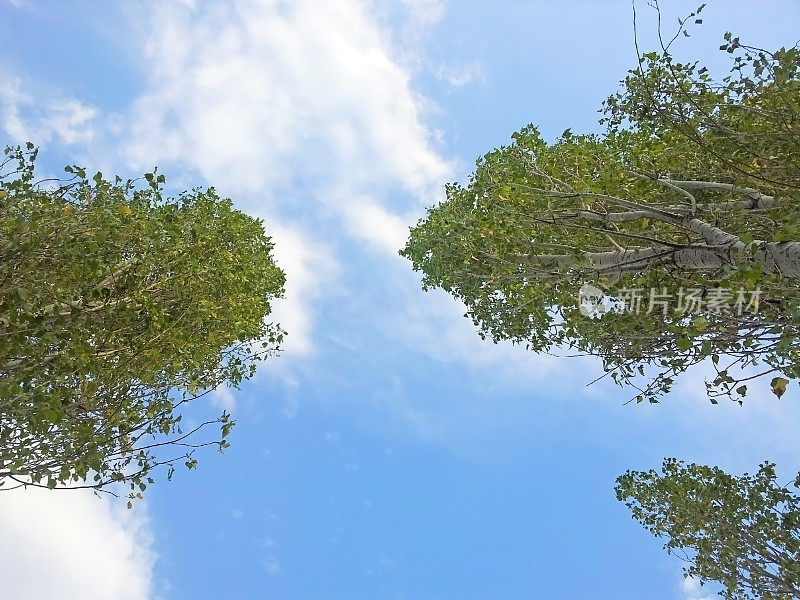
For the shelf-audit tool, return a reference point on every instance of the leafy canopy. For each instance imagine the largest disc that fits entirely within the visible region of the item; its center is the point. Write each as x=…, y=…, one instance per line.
x=692, y=192
x=742, y=532
x=117, y=307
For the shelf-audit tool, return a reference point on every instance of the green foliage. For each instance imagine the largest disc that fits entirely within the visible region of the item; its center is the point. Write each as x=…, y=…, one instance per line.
x=742, y=532
x=693, y=187
x=117, y=307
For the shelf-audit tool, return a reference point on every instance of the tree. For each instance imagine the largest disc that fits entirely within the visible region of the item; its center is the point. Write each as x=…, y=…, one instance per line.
x=119, y=306
x=742, y=532
x=679, y=223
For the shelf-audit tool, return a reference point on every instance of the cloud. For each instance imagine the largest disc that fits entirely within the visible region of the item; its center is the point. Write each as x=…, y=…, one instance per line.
x=370, y=222
x=271, y=565
x=255, y=94
x=763, y=428
x=223, y=399
x=692, y=590
x=311, y=271
x=71, y=544
x=425, y=12
x=24, y=117
x=460, y=75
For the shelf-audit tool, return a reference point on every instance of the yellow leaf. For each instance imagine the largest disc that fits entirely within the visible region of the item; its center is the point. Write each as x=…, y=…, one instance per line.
x=3, y=194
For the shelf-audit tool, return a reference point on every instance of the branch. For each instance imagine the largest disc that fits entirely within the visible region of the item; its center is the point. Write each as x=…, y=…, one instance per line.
x=756, y=198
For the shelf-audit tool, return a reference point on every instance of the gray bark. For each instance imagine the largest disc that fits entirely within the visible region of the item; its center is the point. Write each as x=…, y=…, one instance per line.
x=775, y=258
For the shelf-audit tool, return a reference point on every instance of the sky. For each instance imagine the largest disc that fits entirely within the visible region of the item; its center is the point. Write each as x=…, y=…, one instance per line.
x=388, y=452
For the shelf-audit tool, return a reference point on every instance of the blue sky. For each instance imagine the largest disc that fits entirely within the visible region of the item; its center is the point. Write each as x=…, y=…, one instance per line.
x=389, y=453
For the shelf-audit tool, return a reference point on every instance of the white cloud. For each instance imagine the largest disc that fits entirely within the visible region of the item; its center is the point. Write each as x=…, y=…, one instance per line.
x=460, y=75
x=425, y=12
x=271, y=565
x=257, y=93
x=290, y=407
x=70, y=544
x=764, y=428
x=692, y=590
x=311, y=271
x=71, y=121
x=408, y=24
x=368, y=221
x=25, y=117
x=223, y=399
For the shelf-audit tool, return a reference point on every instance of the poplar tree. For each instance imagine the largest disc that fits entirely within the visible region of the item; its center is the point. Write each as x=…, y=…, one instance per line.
x=681, y=221
x=118, y=307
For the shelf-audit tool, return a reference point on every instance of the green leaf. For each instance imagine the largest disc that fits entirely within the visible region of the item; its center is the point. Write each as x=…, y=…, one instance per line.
x=778, y=385
x=114, y=301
